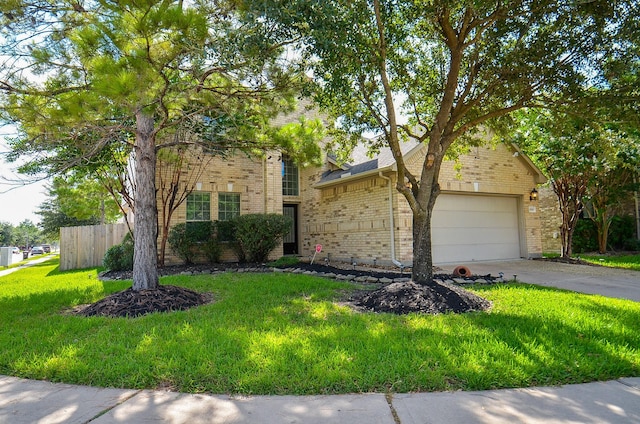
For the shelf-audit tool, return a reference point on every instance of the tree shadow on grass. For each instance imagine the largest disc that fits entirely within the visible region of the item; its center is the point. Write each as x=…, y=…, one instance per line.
x=301, y=341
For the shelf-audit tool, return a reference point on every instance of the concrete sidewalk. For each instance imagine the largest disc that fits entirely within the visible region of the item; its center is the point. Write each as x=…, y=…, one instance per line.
x=28, y=402
x=26, y=264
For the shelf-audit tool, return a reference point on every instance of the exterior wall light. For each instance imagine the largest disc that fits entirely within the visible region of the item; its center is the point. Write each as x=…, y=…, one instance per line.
x=533, y=195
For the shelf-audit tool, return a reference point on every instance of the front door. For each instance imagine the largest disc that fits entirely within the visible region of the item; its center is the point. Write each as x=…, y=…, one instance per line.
x=290, y=241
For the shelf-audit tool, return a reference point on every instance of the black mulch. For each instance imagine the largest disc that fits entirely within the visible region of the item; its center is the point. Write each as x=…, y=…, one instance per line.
x=130, y=303
x=397, y=297
x=407, y=297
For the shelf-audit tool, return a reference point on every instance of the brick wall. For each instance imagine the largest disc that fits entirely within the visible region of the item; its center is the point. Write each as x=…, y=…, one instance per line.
x=351, y=218
x=257, y=180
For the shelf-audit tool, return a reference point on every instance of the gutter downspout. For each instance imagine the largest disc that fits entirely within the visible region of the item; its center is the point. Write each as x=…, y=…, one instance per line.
x=391, y=223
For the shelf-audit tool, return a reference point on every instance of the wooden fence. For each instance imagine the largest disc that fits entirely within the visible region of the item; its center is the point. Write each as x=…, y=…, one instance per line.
x=84, y=247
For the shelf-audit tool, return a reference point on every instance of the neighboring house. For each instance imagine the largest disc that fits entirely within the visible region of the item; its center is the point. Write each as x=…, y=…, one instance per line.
x=356, y=214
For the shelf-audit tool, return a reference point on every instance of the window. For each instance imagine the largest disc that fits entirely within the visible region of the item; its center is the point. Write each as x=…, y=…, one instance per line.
x=199, y=207
x=228, y=206
x=289, y=177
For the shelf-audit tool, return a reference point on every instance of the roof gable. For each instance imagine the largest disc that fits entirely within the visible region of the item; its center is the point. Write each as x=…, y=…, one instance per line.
x=363, y=164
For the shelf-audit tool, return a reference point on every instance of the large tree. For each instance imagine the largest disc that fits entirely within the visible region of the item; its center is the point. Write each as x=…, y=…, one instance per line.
x=81, y=76
x=448, y=68
x=76, y=199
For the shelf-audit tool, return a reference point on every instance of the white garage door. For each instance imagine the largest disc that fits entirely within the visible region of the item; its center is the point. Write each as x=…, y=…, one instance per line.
x=475, y=228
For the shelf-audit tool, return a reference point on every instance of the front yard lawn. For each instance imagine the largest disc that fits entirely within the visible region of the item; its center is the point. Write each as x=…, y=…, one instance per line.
x=627, y=261
x=289, y=334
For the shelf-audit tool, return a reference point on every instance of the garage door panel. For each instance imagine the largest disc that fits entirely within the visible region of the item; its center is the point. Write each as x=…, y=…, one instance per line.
x=469, y=253
x=479, y=236
x=477, y=220
x=470, y=228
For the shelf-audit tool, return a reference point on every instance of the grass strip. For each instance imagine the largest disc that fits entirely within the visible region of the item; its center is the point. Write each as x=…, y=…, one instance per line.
x=615, y=261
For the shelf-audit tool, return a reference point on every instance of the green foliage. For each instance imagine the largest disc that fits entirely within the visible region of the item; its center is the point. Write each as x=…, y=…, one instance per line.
x=284, y=261
x=6, y=234
x=588, y=164
x=187, y=240
x=585, y=236
x=104, y=77
x=120, y=256
x=621, y=235
x=258, y=234
x=27, y=234
x=180, y=243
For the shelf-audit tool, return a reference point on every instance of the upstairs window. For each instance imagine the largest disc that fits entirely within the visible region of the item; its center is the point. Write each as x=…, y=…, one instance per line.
x=289, y=177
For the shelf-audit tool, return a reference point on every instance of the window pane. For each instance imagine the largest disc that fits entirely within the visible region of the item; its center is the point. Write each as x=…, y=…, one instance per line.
x=289, y=177
x=199, y=207
x=228, y=206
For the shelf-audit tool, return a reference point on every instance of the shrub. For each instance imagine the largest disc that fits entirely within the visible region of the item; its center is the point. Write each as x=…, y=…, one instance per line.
x=258, y=234
x=621, y=235
x=285, y=261
x=187, y=240
x=179, y=242
x=120, y=256
x=227, y=233
x=585, y=236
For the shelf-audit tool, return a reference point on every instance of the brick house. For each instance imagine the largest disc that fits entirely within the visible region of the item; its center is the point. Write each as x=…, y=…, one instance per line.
x=355, y=212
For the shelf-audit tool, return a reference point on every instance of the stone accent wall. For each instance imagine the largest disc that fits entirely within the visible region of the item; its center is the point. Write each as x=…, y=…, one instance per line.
x=551, y=220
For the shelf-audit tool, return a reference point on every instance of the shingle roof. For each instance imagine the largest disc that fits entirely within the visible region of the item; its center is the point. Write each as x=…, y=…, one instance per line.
x=362, y=161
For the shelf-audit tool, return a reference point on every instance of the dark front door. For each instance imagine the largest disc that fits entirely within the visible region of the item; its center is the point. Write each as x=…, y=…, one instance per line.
x=290, y=241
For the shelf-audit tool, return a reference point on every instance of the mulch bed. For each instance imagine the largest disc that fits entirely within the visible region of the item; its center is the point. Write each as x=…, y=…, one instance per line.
x=131, y=303
x=408, y=297
x=398, y=297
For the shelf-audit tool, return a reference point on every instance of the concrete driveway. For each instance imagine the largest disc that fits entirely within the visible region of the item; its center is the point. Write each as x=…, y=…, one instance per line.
x=610, y=282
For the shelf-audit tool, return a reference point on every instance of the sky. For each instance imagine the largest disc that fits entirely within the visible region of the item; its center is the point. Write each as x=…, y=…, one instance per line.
x=18, y=202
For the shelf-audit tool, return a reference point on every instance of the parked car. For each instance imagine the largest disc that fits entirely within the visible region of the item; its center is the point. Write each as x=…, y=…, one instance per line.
x=15, y=250
x=37, y=250
x=46, y=248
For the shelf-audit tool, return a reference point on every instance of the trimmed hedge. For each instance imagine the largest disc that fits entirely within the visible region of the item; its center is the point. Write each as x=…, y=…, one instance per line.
x=258, y=234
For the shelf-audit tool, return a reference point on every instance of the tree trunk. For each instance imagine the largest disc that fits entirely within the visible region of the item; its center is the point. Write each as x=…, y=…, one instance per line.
x=422, y=271
x=145, y=255
x=426, y=195
x=570, y=193
x=603, y=223
x=164, y=236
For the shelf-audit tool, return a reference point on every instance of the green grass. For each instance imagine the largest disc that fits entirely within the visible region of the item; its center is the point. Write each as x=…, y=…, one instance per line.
x=615, y=261
x=287, y=334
